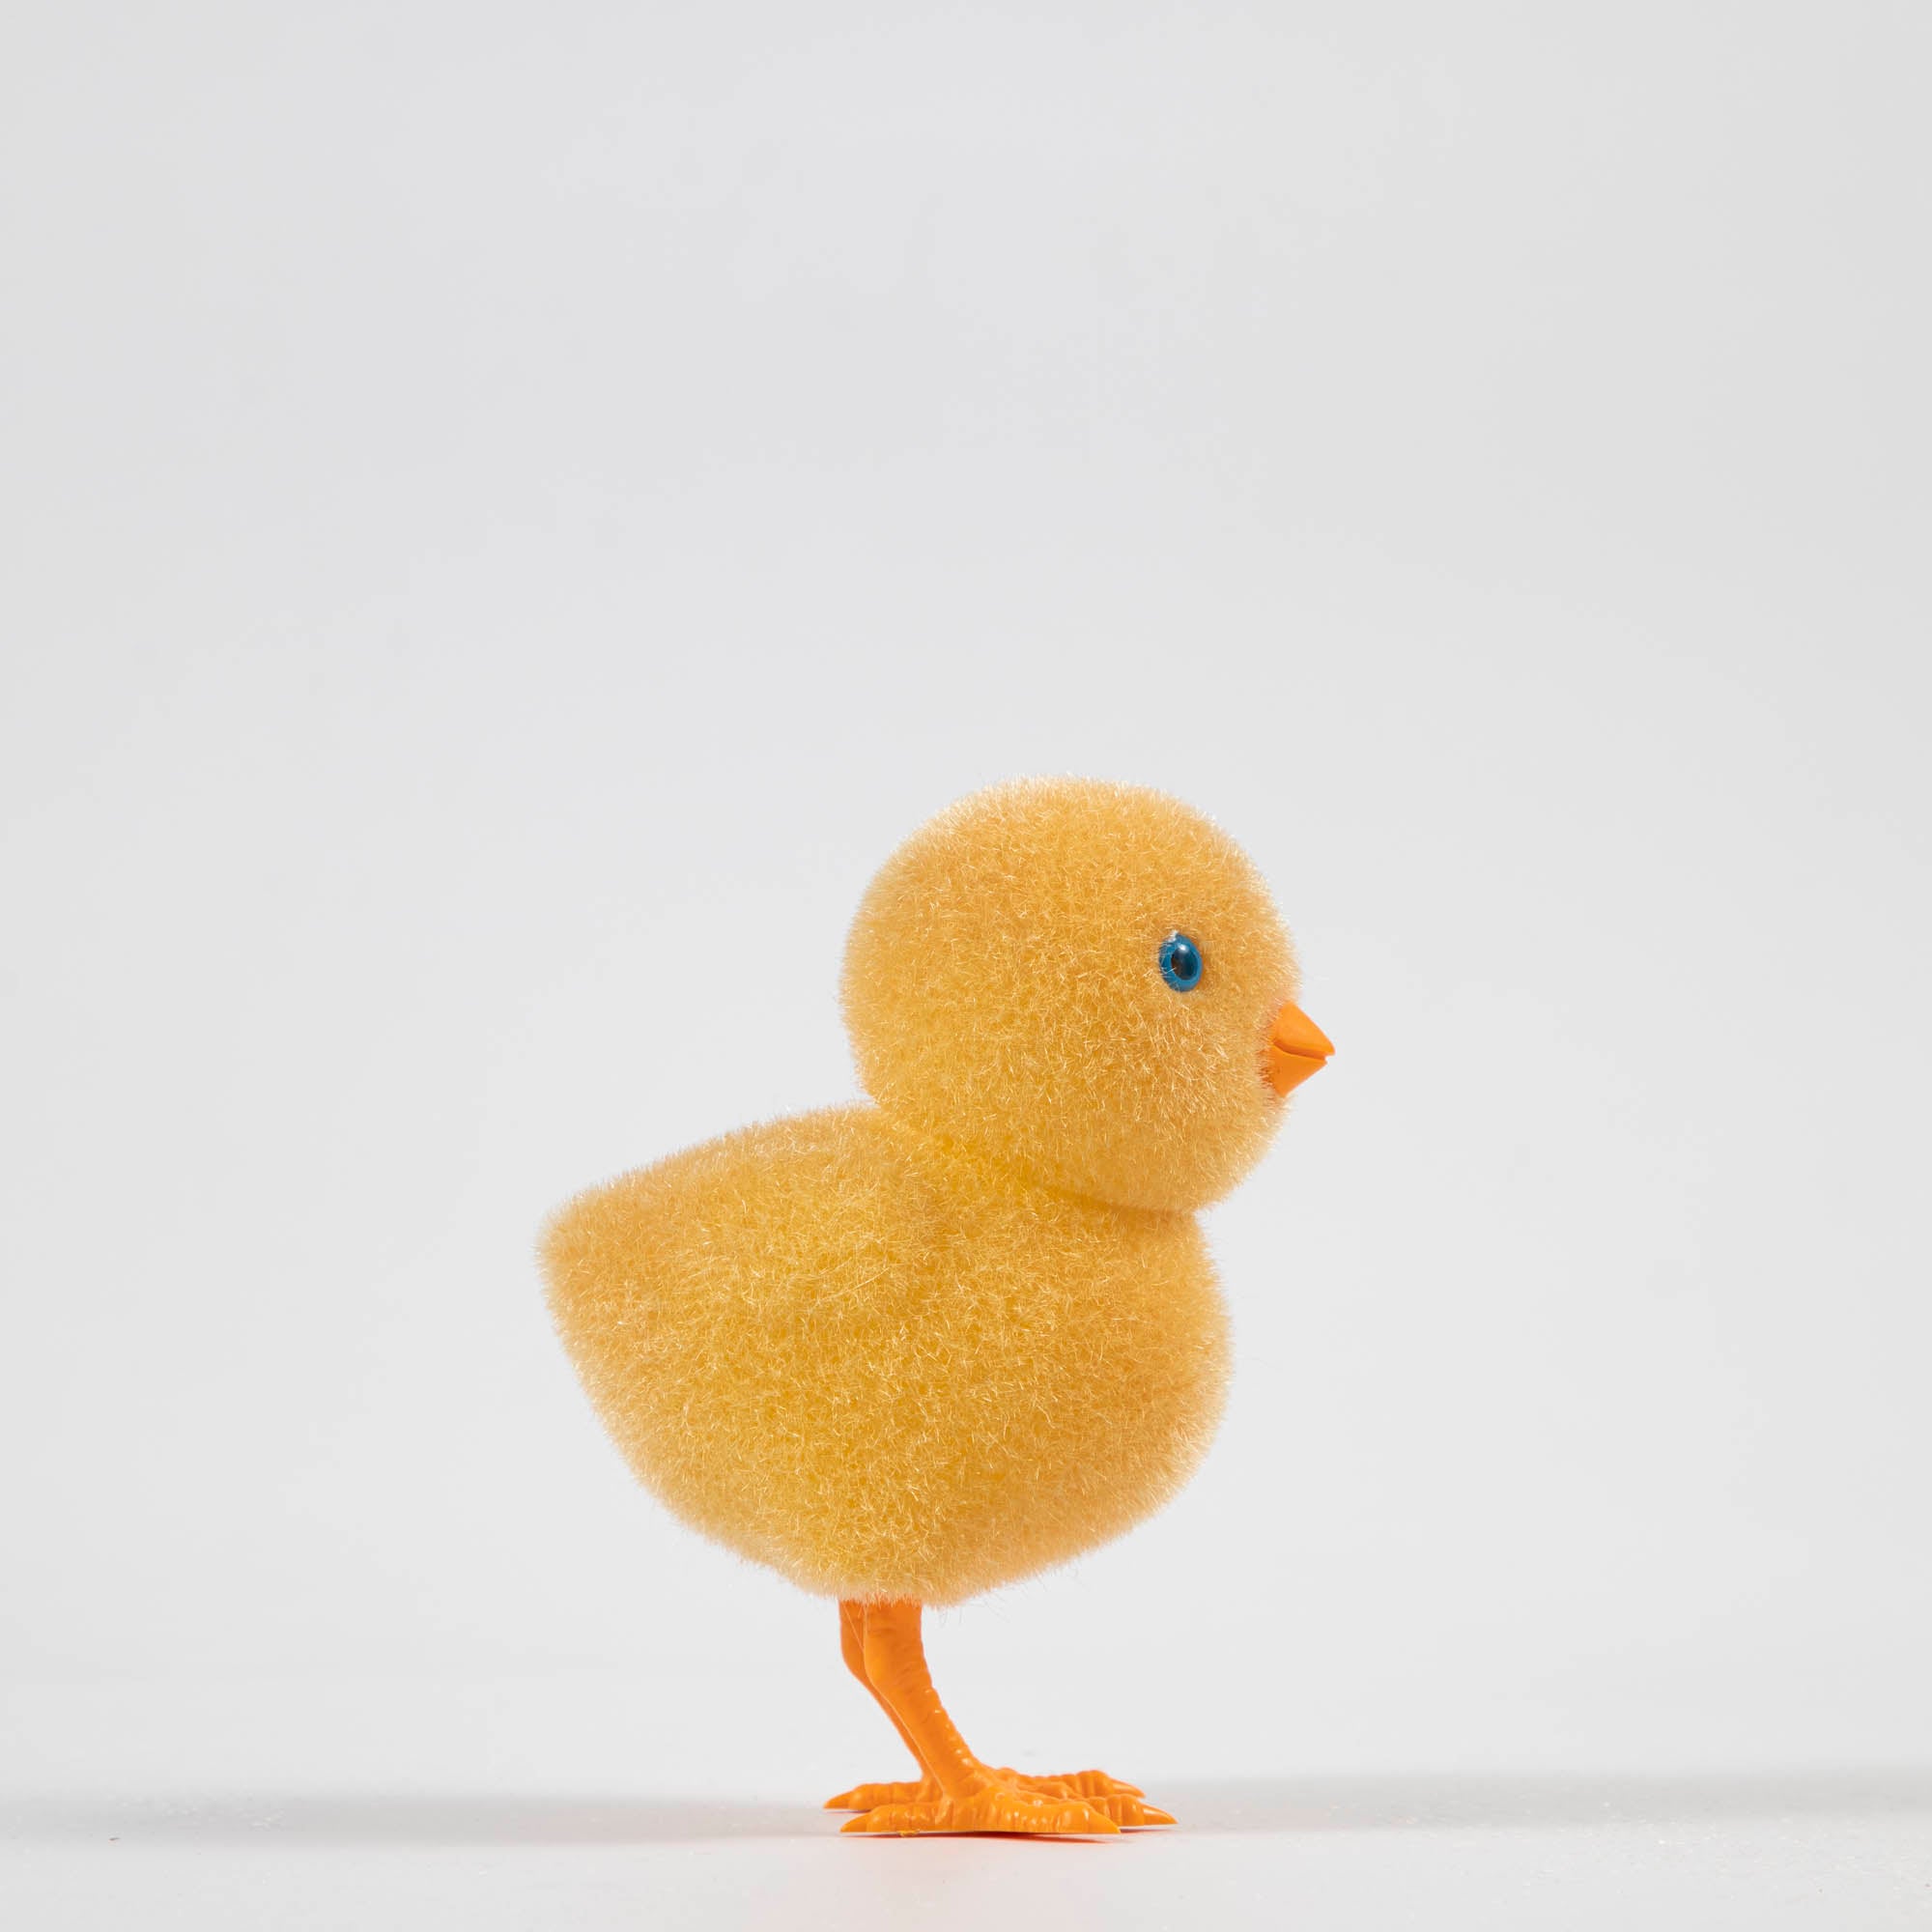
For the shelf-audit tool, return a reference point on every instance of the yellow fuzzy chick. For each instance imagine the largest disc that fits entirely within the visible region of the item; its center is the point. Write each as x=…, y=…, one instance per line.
x=906, y=1352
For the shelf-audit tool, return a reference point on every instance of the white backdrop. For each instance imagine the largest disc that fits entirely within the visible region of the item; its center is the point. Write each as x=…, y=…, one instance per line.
x=509, y=515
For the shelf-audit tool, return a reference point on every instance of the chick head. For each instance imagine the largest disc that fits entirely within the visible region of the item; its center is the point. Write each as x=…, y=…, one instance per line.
x=1086, y=981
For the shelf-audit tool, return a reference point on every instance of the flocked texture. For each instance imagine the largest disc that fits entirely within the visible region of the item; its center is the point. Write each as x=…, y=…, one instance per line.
x=880, y=1369
x=1003, y=985
x=925, y=1348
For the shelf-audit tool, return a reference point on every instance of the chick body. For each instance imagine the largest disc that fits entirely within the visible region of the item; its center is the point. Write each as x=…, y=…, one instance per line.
x=909, y=1351
x=882, y=1365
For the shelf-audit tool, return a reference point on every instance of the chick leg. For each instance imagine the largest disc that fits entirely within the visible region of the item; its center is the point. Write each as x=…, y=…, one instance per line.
x=866, y=1797
x=1125, y=1804
x=972, y=1796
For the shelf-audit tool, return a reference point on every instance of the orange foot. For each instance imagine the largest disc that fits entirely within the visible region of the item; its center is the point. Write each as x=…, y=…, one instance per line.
x=993, y=1808
x=1113, y=1798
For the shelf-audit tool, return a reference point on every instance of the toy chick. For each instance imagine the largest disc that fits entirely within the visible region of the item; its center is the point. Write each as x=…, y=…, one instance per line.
x=909, y=1351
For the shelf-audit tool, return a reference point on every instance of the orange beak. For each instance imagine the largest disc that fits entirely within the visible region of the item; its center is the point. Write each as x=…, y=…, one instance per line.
x=1296, y=1048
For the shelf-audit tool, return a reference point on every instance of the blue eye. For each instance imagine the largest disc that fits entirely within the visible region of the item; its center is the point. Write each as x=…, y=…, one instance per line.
x=1181, y=962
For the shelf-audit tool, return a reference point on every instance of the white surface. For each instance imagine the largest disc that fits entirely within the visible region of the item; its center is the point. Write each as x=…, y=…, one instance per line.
x=508, y=516
x=518, y=1805
x=1743, y=1862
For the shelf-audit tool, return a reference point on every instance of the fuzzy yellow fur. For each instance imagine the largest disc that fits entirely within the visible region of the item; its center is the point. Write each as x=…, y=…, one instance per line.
x=925, y=1347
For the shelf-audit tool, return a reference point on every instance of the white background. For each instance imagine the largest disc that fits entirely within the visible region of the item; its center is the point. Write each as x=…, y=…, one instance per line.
x=510, y=514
